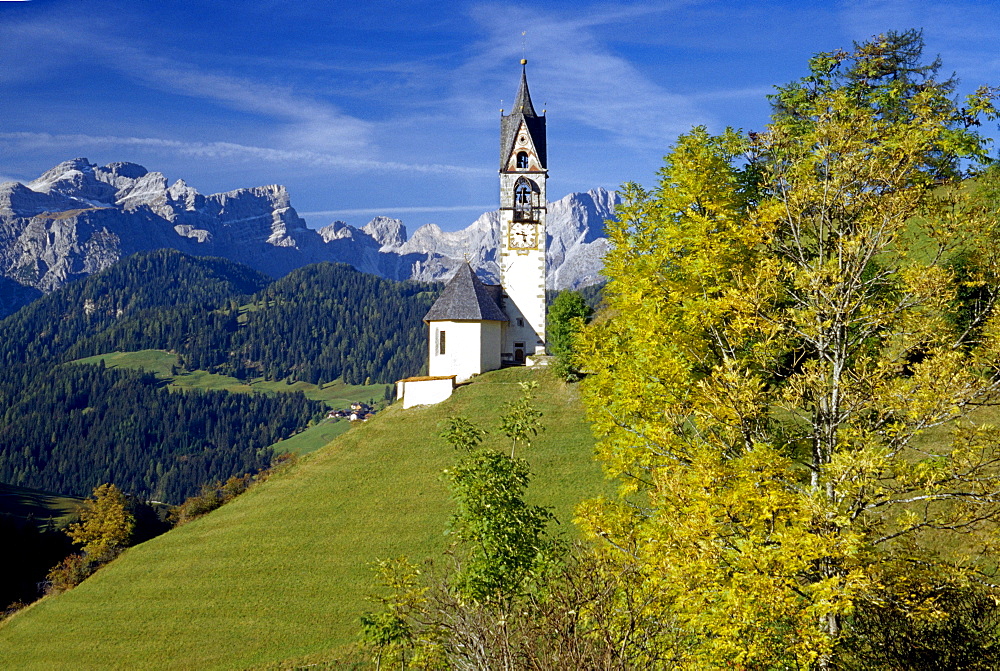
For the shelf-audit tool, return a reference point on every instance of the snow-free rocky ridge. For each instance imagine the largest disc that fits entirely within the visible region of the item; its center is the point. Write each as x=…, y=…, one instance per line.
x=78, y=218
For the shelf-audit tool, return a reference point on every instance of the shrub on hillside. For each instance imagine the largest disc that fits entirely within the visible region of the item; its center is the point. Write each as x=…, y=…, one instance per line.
x=217, y=494
x=69, y=573
x=110, y=521
x=106, y=524
x=211, y=497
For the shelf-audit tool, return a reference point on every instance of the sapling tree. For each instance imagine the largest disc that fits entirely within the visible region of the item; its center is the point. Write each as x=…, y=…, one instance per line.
x=520, y=421
x=462, y=433
x=462, y=617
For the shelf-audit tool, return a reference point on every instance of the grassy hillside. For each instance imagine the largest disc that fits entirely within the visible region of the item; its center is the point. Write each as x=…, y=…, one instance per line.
x=281, y=572
x=313, y=438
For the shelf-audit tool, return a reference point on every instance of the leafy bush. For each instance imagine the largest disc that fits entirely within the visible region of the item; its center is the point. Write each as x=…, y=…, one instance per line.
x=69, y=573
x=211, y=497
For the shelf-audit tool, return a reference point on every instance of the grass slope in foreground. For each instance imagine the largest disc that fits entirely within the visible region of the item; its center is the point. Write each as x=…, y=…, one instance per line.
x=281, y=572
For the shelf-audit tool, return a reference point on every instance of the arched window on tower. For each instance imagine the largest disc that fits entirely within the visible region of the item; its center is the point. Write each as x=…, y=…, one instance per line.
x=522, y=160
x=523, y=199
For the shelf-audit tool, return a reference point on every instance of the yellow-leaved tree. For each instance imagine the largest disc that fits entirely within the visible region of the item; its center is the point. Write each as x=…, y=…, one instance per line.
x=106, y=524
x=793, y=375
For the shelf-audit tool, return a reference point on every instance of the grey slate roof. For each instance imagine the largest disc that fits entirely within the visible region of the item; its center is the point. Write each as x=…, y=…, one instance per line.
x=522, y=103
x=465, y=297
x=522, y=110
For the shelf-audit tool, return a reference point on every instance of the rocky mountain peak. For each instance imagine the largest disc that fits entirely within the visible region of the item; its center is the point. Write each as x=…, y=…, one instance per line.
x=338, y=230
x=183, y=195
x=74, y=179
x=120, y=169
x=78, y=218
x=67, y=170
x=388, y=233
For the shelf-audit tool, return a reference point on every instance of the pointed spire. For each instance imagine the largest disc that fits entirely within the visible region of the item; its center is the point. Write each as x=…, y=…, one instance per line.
x=522, y=112
x=522, y=103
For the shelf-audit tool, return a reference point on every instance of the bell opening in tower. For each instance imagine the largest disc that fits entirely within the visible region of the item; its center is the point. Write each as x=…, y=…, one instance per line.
x=523, y=205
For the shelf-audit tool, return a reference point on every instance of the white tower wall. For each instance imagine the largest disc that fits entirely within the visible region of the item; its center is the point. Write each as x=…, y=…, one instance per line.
x=522, y=248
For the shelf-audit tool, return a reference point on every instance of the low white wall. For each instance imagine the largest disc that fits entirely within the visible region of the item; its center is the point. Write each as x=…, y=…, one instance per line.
x=424, y=391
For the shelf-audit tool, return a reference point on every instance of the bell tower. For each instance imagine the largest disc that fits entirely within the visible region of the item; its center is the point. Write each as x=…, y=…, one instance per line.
x=523, y=172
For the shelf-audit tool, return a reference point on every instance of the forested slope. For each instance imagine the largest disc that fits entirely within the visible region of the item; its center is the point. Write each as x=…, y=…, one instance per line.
x=138, y=288
x=317, y=324
x=75, y=427
x=68, y=428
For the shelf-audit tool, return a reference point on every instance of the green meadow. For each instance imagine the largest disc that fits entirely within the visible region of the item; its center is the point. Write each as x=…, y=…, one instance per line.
x=336, y=394
x=43, y=507
x=163, y=364
x=312, y=438
x=281, y=573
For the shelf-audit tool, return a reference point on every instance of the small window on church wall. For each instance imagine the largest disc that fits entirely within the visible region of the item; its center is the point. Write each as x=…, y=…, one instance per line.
x=522, y=160
x=441, y=342
x=520, y=322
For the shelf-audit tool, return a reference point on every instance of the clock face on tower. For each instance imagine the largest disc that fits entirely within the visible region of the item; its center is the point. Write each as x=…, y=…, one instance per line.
x=523, y=235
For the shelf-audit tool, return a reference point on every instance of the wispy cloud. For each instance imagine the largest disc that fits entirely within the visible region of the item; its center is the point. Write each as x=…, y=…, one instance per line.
x=400, y=210
x=307, y=122
x=230, y=151
x=298, y=120
x=584, y=78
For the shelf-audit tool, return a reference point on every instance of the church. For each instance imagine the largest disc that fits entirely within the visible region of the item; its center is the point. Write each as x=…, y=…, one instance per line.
x=475, y=327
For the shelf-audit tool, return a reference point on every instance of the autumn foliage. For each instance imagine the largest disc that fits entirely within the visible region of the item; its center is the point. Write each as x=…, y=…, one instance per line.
x=801, y=329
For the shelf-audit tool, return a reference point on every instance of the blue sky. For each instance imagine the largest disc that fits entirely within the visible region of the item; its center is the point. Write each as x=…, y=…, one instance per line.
x=392, y=108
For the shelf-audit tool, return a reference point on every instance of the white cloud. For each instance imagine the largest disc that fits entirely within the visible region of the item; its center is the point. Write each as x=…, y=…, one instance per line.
x=307, y=122
x=584, y=79
x=298, y=120
x=230, y=151
x=400, y=210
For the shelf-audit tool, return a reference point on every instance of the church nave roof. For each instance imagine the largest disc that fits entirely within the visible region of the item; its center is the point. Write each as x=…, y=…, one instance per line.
x=465, y=297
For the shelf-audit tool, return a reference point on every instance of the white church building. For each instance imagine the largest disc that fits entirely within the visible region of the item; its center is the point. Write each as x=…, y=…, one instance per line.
x=475, y=327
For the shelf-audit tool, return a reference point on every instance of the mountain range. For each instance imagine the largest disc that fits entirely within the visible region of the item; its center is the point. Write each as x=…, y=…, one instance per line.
x=78, y=218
